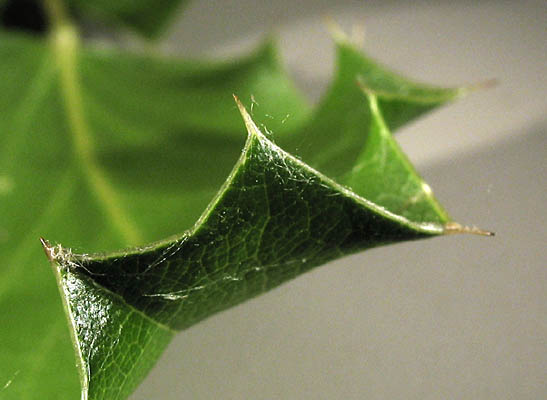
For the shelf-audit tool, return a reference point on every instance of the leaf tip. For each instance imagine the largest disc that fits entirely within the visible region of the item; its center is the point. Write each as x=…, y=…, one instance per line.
x=356, y=38
x=486, y=84
x=249, y=123
x=334, y=29
x=454, y=227
x=48, y=249
x=242, y=109
x=367, y=90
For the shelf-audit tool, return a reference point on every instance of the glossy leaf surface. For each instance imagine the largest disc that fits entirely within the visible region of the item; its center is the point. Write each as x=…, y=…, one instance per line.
x=147, y=145
x=103, y=149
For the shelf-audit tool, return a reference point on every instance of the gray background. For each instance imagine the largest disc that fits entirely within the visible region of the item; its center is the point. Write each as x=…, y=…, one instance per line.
x=456, y=317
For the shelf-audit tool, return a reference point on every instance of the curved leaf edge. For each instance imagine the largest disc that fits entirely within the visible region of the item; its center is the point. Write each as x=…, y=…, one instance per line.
x=253, y=132
x=88, y=316
x=67, y=266
x=64, y=261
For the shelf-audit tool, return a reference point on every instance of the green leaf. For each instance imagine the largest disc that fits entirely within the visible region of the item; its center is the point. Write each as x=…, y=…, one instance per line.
x=136, y=175
x=383, y=173
x=334, y=139
x=274, y=218
x=147, y=17
x=103, y=149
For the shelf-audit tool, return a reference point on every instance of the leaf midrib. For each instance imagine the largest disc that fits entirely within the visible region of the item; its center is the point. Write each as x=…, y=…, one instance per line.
x=384, y=132
x=65, y=47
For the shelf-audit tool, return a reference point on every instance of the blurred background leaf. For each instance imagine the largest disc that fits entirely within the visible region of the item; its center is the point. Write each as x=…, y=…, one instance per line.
x=145, y=17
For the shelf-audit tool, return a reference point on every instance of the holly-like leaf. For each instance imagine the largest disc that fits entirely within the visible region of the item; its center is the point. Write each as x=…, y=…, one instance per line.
x=135, y=157
x=334, y=138
x=104, y=150
x=274, y=218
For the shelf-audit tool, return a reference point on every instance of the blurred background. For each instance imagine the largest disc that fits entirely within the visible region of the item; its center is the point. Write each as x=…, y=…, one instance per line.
x=454, y=317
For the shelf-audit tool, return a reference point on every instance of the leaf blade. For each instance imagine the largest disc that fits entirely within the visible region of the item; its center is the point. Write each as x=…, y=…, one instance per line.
x=382, y=167
x=46, y=191
x=334, y=138
x=109, y=118
x=234, y=252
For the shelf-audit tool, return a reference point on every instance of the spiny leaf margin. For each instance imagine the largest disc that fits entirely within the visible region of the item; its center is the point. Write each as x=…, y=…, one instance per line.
x=163, y=288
